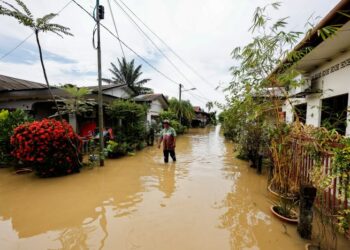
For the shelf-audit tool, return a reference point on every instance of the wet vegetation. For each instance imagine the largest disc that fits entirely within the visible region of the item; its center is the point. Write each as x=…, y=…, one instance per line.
x=253, y=120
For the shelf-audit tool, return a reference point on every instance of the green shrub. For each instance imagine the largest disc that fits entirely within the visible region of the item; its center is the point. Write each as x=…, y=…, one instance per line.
x=133, y=117
x=9, y=121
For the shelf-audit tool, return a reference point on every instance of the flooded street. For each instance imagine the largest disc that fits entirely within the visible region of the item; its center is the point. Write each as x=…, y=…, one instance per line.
x=207, y=200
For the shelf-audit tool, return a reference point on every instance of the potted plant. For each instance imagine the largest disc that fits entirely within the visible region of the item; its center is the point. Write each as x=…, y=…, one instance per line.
x=285, y=210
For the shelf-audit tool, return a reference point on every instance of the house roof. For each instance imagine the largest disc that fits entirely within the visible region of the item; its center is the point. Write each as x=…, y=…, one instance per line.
x=315, y=41
x=8, y=83
x=150, y=98
x=106, y=87
x=112, y=86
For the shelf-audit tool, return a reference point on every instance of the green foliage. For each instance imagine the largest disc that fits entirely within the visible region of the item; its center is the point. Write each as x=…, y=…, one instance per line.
x=118, y=149
x=26, y=18
x=183, y=110
x=341, y=171
x=126, y=73
x=9, y=121
x=77, y=102
x=174, y=122
x=133, y=117
x=167, y=115
x=180, y=129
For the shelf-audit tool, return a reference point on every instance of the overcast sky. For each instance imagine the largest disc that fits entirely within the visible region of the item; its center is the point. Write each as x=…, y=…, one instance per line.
x=202, y=32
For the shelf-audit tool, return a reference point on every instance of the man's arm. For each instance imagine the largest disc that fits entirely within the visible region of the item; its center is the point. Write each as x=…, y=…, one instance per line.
x=160, y=139
x=174, y=135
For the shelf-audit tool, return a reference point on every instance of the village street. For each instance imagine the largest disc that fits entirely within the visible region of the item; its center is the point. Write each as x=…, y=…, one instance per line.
x=206, y=200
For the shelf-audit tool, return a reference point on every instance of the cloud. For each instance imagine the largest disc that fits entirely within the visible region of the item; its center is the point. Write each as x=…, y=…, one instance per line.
x=203, y=32
x=27, y=53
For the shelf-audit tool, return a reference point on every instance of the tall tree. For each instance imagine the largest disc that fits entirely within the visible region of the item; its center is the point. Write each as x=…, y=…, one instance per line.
x=24, y=16
x=127, y=73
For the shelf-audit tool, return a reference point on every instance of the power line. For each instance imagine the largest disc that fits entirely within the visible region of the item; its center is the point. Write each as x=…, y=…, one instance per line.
x=25, y=39
x=170, y=49
x=154, y=44
x=115, y=27
x=127, y=46
x=16, y=47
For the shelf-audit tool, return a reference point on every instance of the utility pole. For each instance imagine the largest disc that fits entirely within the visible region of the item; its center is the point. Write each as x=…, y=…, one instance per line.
x=100, y=16
x=180, y=89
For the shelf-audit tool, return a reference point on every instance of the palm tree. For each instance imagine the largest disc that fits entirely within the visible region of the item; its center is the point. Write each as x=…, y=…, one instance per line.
x=126, y=73
x=209, y=106
x=183, y=109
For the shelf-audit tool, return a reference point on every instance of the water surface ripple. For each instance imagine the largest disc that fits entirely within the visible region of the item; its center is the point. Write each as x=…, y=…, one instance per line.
x=206, y=200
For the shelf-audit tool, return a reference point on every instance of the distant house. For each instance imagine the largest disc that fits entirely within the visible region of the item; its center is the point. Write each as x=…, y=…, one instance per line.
x=156, y=102
x=112, y=92
x=201, y=118
x=324, y=98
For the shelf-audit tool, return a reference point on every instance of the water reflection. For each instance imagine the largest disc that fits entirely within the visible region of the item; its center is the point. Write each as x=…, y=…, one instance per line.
x=167, y=180
x=206, y=200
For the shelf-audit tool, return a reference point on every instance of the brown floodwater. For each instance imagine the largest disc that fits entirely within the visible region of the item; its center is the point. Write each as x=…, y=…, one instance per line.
x=206, y=200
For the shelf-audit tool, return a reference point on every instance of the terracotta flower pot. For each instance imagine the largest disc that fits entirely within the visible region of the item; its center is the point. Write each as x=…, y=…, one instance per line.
x=310, y=246
x=276, y=194
x=283, y=218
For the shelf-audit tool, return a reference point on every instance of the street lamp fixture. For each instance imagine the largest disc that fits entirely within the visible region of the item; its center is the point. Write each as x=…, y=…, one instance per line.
x=189, y=89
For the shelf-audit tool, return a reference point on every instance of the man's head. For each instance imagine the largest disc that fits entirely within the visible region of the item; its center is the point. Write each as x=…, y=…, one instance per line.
x=166, y=123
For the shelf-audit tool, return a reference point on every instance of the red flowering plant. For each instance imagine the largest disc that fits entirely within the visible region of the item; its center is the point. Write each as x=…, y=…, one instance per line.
x=51, y=147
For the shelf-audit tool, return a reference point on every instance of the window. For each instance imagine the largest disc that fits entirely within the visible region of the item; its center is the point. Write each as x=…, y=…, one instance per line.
x=334, y=113
x=300, y=111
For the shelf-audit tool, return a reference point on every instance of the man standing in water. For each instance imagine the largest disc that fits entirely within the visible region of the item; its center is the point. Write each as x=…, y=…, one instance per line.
x=168, y=137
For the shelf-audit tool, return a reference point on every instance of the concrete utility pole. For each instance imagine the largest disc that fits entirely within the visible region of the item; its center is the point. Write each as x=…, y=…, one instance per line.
x=100, y=16
x=180, y=89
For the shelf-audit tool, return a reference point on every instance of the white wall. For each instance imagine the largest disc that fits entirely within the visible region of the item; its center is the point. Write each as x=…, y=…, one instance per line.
x=332, y=84
x=155, y=109
x=288, y=108
x=117, y=92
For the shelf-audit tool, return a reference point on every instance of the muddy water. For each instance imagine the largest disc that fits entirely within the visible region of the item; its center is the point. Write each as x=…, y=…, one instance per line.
x=207, y=200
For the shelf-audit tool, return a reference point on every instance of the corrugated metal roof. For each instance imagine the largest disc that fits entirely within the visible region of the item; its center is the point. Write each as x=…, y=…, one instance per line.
x=8, y=83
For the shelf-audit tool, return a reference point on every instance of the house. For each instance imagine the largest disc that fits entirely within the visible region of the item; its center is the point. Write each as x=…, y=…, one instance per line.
x=323, y=99
x=33, y=97
x=201, y=117
x=156, y=103
x=112, y=92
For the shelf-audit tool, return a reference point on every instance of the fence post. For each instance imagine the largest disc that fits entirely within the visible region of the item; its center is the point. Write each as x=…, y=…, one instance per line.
x=307, y=197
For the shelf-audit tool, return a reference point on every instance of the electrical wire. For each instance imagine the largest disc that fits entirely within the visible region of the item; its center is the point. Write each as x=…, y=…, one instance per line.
x=115, y=27
x=169, y=48
x=128, y=47
x=25, y=39
x=153, y=43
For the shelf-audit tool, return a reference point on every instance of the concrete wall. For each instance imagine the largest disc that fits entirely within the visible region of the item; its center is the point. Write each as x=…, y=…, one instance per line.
x=155, y=109
x=333, y=78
